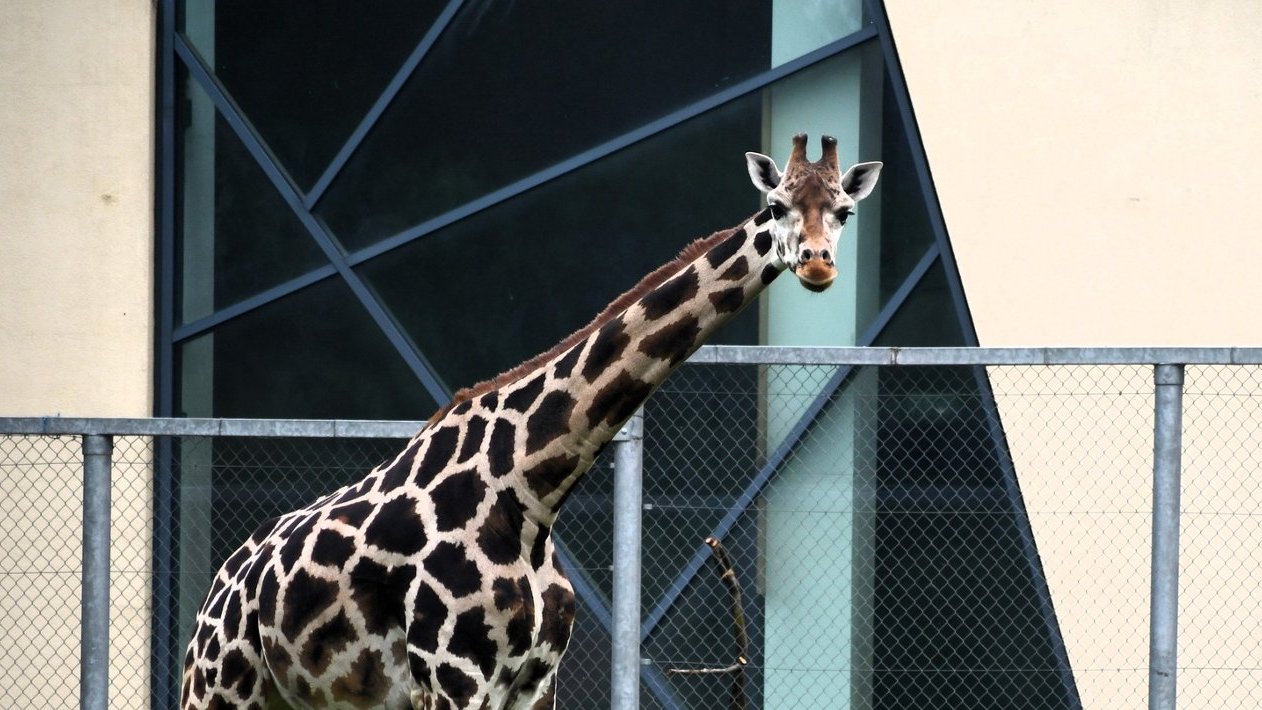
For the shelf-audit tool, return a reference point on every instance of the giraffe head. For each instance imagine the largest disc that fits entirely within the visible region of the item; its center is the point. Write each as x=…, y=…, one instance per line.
x=809, y=204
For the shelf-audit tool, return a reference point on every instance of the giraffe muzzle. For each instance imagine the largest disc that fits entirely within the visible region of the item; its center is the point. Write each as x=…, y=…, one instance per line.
x=816, y=274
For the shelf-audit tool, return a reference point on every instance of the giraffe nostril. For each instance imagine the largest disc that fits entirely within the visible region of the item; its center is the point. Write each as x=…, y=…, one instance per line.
x=807, y=254
x=826, y=256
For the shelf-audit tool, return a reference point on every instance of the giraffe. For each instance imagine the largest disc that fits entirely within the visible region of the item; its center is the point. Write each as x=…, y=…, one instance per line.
x=433, y=582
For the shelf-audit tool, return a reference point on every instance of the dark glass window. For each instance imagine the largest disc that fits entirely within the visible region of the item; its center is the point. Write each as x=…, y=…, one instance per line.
x=305, y=74
x=239, y=236
x=314, y=354
x=512, y=88
x=492, y=290
x=906, y=232
x=926, y=318
x=508, y=91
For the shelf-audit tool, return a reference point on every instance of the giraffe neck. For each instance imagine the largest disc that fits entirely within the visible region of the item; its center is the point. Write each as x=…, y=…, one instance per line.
x=560, y=412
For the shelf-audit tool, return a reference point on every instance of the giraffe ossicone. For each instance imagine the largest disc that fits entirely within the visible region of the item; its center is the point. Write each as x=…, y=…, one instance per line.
x=433, y=582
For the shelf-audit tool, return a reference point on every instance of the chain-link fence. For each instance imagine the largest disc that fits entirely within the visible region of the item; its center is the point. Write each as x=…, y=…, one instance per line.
x=911, y=535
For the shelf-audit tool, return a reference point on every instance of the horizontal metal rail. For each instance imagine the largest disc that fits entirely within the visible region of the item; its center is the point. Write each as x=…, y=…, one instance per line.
x=312, y=428
x=777, y=355
x=706, y=355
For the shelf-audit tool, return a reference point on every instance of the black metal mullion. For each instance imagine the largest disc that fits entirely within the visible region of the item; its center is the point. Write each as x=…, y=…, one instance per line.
x=162, y=647
x=315, y=227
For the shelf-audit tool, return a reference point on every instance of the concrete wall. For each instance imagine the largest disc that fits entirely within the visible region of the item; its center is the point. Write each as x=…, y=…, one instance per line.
x=76, y=326
x=76, y=207
x=1096, y=163
x=1097, y=166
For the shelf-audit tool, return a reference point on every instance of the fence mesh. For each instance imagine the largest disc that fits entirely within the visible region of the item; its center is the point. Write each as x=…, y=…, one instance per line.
x=903, y=537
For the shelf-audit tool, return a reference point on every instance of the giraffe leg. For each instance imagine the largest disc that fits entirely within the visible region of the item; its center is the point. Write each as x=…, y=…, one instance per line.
x=547, y=701
x=425, y=700
x=422, y=700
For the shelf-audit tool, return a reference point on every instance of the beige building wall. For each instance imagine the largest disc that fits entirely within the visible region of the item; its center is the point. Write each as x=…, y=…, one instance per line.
x=76, y=326
x=1097, y=166
x=1096, y=162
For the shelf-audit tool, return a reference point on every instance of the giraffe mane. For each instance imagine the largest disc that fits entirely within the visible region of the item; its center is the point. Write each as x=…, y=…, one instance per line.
x=659, y=276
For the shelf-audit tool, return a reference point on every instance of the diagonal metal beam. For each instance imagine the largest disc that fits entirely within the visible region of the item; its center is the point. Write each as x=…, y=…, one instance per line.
x=382, y=103
x=195, y=328
x=289, y=192
x=786, y=447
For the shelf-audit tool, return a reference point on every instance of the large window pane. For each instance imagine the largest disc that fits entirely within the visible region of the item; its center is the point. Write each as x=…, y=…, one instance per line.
x=906, y=232
x=305, y=74
x=314, y=354
x=927, y=318
x=492, y=290
x=512, y=88
x=237, y=236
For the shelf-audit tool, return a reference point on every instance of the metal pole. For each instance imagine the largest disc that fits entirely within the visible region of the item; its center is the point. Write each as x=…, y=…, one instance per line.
x=94, y=649
x=628, y=464
x=1166, y=468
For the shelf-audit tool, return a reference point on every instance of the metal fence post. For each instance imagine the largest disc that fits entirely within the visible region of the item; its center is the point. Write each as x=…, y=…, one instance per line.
x=94, y=648
x=1166, y=468
x=628, y=463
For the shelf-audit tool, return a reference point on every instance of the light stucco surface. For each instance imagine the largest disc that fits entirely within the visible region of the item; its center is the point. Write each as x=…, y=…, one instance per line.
x=76, y=206
x=1097, y=167
x=1096, y=162
x=76, y=326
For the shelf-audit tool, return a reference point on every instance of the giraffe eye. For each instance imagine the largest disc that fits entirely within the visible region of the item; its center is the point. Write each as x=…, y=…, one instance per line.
x=843, y=216
x=777, y=210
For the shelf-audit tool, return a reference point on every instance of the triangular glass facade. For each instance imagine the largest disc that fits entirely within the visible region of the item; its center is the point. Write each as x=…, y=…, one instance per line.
x=363, y=226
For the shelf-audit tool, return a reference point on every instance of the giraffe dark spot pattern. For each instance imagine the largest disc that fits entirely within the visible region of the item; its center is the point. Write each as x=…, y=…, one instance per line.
x=471, y=639
x=456, y=499
x=669, y=296
x=451, y=567
x=397, y=527
x=610, y=341
x=378, y=592
x=672, y=342
x=429, y=613
x=500, y=537
x=549, y=421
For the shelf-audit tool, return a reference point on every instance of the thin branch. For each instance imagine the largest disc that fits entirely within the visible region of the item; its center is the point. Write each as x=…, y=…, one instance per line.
x=737, y=669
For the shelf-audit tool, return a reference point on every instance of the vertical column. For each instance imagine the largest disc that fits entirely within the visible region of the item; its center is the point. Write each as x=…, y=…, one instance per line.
x=94, y=654
x=1166, y=469
x=194, y=482
x=817, y=530
x=628, y=463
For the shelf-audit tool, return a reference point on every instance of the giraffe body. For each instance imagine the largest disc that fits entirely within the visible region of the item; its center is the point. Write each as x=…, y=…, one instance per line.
x=433, y=582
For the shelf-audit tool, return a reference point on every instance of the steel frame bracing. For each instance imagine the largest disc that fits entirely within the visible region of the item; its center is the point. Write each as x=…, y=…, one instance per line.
x=175, y=51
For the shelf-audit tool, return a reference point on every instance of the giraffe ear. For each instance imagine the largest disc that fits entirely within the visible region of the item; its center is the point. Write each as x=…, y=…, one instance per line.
x=762, y=171
x=860, y=179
